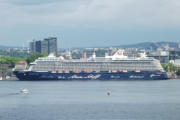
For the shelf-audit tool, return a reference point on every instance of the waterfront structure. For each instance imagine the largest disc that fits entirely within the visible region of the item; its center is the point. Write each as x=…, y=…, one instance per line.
x=174, y=54
x=48, y=45
x=4, y=66
x=177, y=62
x=4, y=70
x=21, y=65
x=162, y=56
x=116, y=67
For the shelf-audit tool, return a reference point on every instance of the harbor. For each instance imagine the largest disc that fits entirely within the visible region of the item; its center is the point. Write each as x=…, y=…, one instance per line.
x=89, y=60
x=137, y=100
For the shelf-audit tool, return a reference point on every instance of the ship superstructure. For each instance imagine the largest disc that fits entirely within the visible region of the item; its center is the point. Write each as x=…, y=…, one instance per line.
x=118, y=67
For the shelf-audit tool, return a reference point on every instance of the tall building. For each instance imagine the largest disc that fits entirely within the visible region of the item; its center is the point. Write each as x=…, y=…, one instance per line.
x=32, y=46
x=44, y=46
x=35, y=46
x=48, y=45
x=38, y=46
x=52, y=45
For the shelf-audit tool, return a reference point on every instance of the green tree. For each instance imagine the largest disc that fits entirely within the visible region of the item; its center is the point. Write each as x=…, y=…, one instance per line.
x=171, y=67
x=9, y=60
x=165, y=66
x=33, y=57
x=178, y=71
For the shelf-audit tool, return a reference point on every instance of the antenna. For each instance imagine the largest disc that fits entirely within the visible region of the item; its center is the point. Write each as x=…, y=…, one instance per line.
x=23, y=46
x=61, y=41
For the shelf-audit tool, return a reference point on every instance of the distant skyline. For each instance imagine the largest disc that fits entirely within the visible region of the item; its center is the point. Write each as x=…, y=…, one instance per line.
x=88, y=23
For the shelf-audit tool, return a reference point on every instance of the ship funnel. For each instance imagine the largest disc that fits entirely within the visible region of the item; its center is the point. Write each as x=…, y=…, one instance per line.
x=119, y=53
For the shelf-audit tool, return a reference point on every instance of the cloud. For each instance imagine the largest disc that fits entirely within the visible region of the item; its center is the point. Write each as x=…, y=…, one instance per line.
x=90, y=13
x=32, y=2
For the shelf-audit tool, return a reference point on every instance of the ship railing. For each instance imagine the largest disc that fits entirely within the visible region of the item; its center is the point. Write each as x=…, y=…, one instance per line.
x=93, y=60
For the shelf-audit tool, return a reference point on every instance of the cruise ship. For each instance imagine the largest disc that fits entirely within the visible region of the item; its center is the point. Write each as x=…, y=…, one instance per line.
x=115, y=67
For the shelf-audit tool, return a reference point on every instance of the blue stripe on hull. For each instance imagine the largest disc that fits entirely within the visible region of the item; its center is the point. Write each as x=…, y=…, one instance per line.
x=145, y=75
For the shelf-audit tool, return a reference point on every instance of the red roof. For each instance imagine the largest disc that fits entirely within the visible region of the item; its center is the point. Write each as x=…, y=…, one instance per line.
x=21, y=62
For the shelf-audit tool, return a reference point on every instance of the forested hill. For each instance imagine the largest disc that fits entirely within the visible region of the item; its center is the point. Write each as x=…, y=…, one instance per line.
x=153, y=45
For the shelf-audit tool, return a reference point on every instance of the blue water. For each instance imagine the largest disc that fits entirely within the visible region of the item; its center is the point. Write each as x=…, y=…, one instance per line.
x=88, y=100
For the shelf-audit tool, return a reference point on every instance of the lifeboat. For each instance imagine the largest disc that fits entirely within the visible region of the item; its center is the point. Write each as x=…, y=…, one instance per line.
x=53, y=71
x=124, y=70
x=60, y=71
x=88, y=71
x=137, y=71
x=114, y=71
x=76, y=71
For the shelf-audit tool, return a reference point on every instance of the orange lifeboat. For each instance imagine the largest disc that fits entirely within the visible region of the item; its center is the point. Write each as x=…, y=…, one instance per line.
x=60, y=71
x=114, y=71
x=137, y=71
x=77, y=71
x=124, y=70
x=87, y=70
x=53, y=71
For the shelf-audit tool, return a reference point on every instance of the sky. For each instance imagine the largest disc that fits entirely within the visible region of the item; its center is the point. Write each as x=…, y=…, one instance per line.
x=89, y=23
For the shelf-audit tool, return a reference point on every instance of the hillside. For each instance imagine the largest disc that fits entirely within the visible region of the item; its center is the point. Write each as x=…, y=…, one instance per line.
x=152, y=45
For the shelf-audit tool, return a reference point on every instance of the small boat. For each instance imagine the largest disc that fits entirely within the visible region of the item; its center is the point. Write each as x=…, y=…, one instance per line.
x=108, y=92
x=25, y=91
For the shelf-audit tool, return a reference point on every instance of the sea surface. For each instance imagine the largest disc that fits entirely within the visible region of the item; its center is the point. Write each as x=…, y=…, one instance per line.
x=88, y=100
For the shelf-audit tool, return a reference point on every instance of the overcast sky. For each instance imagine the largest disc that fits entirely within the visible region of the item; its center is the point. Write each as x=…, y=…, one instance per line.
x=85, y=23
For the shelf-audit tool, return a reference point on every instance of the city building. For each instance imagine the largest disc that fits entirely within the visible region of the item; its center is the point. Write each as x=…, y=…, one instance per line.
x=52, y=45
x=177, y=62
x=84, y=55
x=32, y=46
x=44, y=46
x=48, y=45
x=21, y=65
x=162, y=56
x=38, y=46
x=174, y=54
